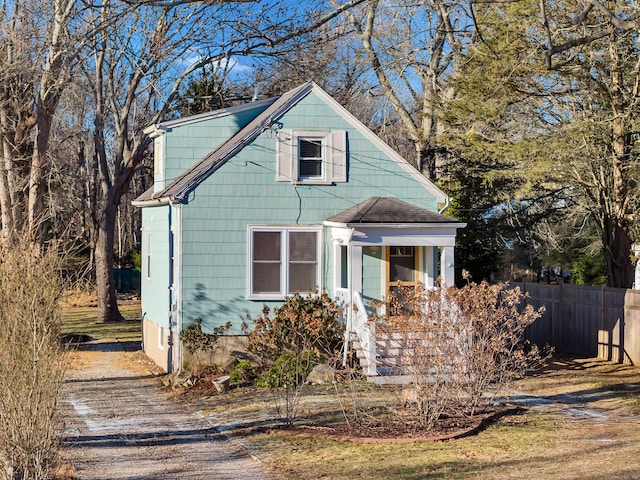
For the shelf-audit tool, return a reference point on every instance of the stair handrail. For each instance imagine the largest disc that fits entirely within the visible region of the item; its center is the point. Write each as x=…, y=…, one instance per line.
x=365, y=331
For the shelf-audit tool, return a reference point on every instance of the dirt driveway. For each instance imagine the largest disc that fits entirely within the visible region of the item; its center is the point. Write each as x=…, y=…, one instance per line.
x=119, y=425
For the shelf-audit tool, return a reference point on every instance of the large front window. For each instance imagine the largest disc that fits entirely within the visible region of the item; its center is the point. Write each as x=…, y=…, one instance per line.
x=283, y=260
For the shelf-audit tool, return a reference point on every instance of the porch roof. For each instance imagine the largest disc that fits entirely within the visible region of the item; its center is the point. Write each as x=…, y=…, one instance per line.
x=387, y=210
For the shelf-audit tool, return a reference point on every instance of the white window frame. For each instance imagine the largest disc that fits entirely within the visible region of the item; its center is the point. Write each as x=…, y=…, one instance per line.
x=284, y=259
x=323, y=158
x=334, y=156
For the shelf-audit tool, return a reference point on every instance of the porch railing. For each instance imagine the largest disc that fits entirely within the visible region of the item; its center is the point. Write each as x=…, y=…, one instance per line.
x=365, y=332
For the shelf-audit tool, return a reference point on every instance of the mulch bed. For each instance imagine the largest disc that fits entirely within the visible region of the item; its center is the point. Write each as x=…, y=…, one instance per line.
x=387, y=428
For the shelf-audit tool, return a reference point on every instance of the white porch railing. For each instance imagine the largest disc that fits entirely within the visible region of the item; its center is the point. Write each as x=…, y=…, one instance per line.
x=365, y=333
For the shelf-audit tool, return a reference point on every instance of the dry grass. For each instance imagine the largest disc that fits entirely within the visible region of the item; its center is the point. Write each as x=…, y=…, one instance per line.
x=82, y=321
x=79, y=297
x=590, y=431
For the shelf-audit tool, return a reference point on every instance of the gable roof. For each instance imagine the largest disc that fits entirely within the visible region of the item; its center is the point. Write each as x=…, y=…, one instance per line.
x=180, y=187
x=387, y=210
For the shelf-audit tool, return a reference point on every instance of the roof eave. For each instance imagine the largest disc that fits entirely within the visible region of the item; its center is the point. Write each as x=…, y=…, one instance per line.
x=152, y=202
x=405, y=225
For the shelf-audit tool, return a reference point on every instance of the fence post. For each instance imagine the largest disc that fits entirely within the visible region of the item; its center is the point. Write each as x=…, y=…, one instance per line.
x=604, y=350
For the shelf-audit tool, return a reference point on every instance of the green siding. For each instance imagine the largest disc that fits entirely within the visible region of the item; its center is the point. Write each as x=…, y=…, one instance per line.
x=244, y=192
x=371, y=275
x=155, y=287
x=186, y=145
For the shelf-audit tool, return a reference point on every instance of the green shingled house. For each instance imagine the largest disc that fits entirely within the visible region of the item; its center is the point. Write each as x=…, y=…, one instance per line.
x=253, y=202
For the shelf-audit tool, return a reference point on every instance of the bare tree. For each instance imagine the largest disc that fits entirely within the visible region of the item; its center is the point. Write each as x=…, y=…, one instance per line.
x=411, y=47
x=139, y=59
x=37, y=55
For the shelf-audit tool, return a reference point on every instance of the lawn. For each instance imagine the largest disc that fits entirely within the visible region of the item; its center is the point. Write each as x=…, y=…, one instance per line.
x=587, y=427
x=82, y=321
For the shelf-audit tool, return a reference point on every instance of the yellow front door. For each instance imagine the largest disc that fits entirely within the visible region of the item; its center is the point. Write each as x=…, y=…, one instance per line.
x=402, y=273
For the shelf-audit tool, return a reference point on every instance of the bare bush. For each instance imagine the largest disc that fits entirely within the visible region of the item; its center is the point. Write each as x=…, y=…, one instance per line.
x=497, y=352
x=32, y=364
x=459, y=346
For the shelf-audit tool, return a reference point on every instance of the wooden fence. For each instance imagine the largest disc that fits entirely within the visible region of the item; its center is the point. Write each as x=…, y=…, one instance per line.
x=588, y=321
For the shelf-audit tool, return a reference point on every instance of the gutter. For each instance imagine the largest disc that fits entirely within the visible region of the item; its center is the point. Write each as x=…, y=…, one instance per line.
x=153, y=202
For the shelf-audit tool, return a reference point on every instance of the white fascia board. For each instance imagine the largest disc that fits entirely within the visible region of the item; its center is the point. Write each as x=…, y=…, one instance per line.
x=441, y=197
x=433, y=236
x=154, y=202
x=154, y=131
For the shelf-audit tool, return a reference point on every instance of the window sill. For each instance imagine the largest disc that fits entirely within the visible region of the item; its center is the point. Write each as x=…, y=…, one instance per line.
x=275, y=296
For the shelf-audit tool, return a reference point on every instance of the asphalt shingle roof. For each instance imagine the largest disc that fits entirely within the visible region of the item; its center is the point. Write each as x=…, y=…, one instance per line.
x=388, y=210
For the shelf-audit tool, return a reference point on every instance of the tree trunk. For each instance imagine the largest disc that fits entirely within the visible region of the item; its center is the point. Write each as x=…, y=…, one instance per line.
x=620, y=272
x=105, y=279
x=6, y=210
x=616, y=236
x=35, y=211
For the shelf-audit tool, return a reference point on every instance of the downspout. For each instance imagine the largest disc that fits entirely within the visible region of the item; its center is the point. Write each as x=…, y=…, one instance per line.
x=176, y=276
x=447, y=204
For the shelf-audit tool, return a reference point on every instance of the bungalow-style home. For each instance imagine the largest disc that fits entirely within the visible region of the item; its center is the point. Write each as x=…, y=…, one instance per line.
x=254, y=202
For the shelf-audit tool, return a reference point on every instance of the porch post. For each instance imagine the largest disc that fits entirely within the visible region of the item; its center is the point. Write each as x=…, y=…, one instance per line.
x=429, y=267
x=447, y=266
x=356, y=269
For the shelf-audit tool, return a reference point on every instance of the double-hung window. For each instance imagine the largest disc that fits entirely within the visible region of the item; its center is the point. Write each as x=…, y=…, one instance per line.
x=283, y=260
x=310, y=161
x=317, y=157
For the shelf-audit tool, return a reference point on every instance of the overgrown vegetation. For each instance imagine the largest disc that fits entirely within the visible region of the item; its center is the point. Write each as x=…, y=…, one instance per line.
x=305, y=331
x=197, y=342
x=32, y=362
x=302, y=323
x=459, y=346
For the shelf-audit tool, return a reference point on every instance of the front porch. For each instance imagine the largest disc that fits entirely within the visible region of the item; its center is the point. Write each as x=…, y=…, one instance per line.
x=380, y=245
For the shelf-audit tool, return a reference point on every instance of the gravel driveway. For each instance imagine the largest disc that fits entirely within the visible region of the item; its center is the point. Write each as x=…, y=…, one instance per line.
x=119, y=425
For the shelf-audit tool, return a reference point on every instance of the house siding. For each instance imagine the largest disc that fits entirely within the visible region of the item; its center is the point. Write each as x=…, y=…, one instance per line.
x=155, y=287
x=187, y=145
x=244, y=191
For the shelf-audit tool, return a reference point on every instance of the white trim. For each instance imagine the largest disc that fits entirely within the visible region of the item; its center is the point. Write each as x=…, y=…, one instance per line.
x=161, y=128
x=441, y=197
x=177, y=284
x=159, y=173
x=324, y=138
x=160, y=337
x=284, y=258
x=436, y=236
x=148, y=257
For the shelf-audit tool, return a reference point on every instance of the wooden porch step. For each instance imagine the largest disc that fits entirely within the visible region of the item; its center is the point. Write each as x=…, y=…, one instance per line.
x=390, y=379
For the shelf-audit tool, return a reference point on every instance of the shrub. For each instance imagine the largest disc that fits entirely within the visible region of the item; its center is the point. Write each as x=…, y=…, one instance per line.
x=303, y=332
x=285, y=379
x=302, y=323
x=32, y=362
x=289, y=370
x=198, y=342
x=243, y=372
x=459, y=346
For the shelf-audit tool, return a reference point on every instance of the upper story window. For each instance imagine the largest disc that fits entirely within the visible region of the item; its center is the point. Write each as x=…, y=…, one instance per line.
x=309, y=156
